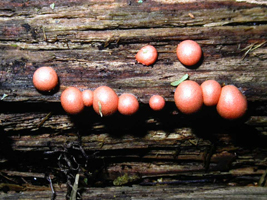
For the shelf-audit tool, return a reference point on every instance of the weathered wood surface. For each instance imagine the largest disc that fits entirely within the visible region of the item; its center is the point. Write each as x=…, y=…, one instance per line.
x=94, y=43
x=152, y=193
x=91, y=43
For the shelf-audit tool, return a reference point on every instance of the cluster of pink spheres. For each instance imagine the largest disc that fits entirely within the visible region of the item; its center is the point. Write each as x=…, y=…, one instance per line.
x=104, y=99
x=189, y=96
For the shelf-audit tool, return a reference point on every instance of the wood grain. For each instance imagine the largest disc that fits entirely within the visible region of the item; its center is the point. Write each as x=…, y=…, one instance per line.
x=93, y=43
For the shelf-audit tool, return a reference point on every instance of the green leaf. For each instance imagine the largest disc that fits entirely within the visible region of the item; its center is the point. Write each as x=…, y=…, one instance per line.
x=100, y=108
x=176, y=83
x=75, y=188
x=52, y=6
x=85, y=181
x=3, y=97
x=145, y=51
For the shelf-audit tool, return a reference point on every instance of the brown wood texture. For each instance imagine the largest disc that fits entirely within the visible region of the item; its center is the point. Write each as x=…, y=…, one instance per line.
x=93, y=43
x=151, y=193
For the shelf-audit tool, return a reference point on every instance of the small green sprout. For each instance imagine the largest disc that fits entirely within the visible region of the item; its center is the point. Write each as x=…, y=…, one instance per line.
x=75, y=188
x=3, y=97
x=100, y=108
x=85, y=180
x=176, y=83
x=145, y=51
x=52, y=6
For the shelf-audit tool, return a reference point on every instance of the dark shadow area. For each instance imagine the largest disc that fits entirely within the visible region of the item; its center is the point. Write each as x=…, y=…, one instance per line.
x=205, y=123
x=257, y=108
x=241, y=134
x=138, y=124
x=63, y=160
x=6, y=150
x=117, y=125
x=28, y=107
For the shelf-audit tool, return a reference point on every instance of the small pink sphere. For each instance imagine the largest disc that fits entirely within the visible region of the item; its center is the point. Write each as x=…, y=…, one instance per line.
x=188, y=97
x=88, y=97
x=71, y=100
x=156, y=102
x=147, y=55
x=45, y=79
x=128, y=104
x=189, y=52
x=232, y=103
x=211, y=90
x=105, y=101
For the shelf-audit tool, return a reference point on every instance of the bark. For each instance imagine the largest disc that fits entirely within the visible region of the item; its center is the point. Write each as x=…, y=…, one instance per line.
x=94, y=43
x=184, y=192
x=90, y=44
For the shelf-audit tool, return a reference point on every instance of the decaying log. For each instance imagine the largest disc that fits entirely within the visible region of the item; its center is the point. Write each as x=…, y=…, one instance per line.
x=151, y=193
x=94, y=44
x=91, y=43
